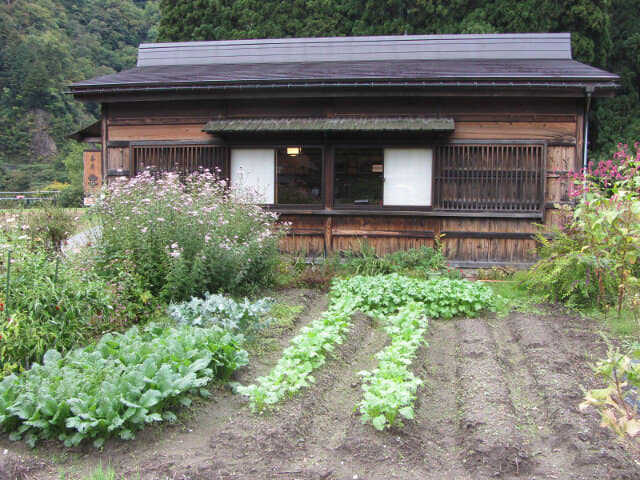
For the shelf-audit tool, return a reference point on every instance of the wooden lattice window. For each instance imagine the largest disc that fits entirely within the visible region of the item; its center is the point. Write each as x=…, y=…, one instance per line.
x=180, y=158
x=490, y=177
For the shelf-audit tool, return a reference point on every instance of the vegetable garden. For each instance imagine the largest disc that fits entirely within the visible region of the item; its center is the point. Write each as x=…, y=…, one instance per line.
x=149, y=321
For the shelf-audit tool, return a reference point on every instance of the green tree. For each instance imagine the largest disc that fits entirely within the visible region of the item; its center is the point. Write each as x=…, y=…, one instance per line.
x=44, y=46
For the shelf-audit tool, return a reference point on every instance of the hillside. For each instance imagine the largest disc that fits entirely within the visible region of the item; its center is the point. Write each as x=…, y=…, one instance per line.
x=44, y=46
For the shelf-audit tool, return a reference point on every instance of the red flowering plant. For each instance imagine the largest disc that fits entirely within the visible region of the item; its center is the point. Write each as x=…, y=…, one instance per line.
x=593, y=259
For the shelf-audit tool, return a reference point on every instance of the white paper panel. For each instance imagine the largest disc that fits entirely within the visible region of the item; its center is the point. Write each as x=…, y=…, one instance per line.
x=407, y=177
x=254, y=169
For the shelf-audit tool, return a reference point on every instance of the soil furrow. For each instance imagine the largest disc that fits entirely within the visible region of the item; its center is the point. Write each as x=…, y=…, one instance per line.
x=492, y=444
x=436, y=408
x=570, y=444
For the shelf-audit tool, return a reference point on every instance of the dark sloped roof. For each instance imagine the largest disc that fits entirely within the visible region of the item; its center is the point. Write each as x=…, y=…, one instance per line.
x=90, y=134
x=333, y=72
x=356, y=61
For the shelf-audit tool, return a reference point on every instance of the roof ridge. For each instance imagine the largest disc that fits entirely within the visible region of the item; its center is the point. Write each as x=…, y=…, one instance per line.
x=388, y=47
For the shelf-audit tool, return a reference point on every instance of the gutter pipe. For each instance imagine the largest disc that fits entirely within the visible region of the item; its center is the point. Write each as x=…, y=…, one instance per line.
x=589, y=87
x=588, y=92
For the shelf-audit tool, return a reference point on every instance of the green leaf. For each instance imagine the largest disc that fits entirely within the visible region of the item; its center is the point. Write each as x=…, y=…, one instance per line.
x=150, y=398
x=379, y=422
x=406, y=412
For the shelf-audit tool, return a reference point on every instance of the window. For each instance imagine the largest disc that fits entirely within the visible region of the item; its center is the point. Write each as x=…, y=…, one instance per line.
x=383, y=177
x=299, y=176
x=490, y=177
x=359, y=176
x=407, y=177
x=179, y=158
x=283, y=176
x=253, y=169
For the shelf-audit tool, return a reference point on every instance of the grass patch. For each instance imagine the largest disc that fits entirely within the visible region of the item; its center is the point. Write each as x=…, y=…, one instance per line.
x=285, y=316
x=625, y=326
x=512, y=295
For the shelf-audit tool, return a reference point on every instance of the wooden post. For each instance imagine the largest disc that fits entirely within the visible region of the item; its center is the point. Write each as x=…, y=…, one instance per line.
x=328, y=234
x=104, y=134
x=329, y=151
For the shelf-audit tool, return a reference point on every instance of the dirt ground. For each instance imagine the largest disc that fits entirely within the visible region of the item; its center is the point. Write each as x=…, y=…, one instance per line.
x=500, y=400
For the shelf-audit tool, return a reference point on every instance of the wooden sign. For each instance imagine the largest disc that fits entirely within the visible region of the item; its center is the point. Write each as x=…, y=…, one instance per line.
x=92, y=160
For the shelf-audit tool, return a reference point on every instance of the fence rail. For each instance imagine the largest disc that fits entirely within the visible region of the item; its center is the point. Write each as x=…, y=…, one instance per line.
x=29, y=197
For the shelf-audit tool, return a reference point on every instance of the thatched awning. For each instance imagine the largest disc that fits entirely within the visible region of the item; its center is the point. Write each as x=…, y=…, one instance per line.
x=307, y=125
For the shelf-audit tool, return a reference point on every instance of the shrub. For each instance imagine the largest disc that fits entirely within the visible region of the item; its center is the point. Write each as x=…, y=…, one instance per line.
x=188, y=236
x=50, y=225
x=618, y=402
x=45, y=226
x=423, y=260
x=593, y=260
x=414, y=261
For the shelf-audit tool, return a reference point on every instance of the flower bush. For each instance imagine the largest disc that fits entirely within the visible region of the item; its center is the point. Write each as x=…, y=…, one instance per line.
x=186, y=236
x=593, y=260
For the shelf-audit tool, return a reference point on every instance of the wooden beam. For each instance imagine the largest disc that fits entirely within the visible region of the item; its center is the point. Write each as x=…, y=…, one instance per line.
x=381, y=233
x=490, y=235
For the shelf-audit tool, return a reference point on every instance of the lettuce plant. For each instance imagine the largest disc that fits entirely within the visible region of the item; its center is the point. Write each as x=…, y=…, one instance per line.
x=118, y=385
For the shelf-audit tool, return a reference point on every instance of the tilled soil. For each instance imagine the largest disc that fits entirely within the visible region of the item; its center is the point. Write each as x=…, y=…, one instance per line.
x=500, y=400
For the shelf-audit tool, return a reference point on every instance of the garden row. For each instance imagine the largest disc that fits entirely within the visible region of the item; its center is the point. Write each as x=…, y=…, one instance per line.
x=402, y=304
x=125, y=381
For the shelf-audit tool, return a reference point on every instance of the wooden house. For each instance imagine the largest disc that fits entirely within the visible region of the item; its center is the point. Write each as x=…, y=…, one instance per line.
x=399, y=139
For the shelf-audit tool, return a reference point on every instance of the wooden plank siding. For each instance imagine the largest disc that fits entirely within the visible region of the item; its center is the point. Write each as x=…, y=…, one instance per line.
x=555, y=123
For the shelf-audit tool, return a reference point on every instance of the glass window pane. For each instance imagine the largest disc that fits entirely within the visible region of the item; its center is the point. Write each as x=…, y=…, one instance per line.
x=299, y=176
x=358, y=176
x=253, y=168
x=407, y=177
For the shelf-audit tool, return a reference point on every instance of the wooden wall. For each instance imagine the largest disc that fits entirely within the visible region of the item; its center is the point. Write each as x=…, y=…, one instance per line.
x=557, y=121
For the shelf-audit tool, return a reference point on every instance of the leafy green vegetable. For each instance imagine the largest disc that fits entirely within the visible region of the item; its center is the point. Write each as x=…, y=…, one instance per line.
x=118, y=385
x=306, y=353
x=222, y=311
x=441, y=298
x=390, y=389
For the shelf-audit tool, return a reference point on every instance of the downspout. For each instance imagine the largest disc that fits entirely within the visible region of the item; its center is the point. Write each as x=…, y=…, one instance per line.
x=588, y=92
